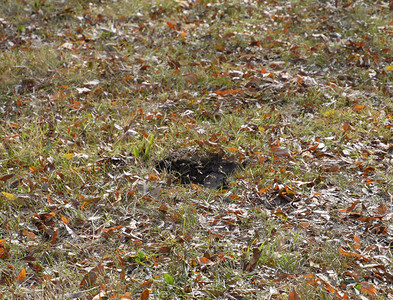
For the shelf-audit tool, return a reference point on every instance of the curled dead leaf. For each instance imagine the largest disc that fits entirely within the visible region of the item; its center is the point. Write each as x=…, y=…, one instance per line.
x=204, y=261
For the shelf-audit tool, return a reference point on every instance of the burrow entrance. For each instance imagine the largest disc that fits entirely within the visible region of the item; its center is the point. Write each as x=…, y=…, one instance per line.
x=210, y=170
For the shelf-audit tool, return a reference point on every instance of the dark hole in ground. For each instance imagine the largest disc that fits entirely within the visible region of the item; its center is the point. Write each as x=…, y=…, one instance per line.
x=210, y=171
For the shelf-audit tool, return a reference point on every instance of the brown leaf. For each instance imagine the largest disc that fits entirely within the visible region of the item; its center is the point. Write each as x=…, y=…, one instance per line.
x=163, y=208
x=89, y=279
x=54, y=237
x=346, y=126
x=147, y=284
x=145, y=294
x=351, y=208
x=6, y=177
x=280, y=151
x=254, y=260
x=220, y=48
x=204, y=261
x=293, y=296
x=191, y=78
x=29, y=234
x=368, y=288
x=358, y=107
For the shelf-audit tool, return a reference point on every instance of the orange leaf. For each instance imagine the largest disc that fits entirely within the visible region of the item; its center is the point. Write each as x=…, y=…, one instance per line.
x=293, y=296
x=29, y=234
x=33, y=169
x=145, y=294
x=219, y=48
x=349, y=254
x=147, y=284
x=358, y=107
x=183, y=34
x=368, y=288
x=232, y=149
x=204, y=261
x=357, y=240
x=22, y=276
x=261, y=191
x=4, y=249
x=304, y=224
x=152, y=177
x=173, y=26
x=330, y=288
x=65, y=220
x=233, y=92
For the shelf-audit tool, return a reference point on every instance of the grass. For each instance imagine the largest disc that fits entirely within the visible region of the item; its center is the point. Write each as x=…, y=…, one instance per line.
x=95, y=94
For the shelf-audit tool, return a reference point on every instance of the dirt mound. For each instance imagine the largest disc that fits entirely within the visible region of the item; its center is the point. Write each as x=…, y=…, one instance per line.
x=210, y=171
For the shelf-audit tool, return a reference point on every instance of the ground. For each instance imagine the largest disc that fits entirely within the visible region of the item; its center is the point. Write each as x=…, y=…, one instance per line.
x=198, y=149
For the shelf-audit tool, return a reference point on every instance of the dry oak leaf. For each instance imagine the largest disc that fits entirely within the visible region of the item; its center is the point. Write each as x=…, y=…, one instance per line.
x=280, y=151
x=254, y=260
x=293, y=296
x=204, y=261
x=145, y=294
x=90, y=278
x=22, y=276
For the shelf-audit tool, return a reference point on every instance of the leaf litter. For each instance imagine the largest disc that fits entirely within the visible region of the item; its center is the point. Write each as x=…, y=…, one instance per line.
x=193, y=149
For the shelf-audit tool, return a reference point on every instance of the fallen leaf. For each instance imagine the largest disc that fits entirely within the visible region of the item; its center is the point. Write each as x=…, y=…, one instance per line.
x=54, y=237
x=29, y=234
x=204, y=261
x=65, y=220
x=293, y=296
x=280, y=151
x=145, y=294
x=169, y=279
x=22, y=276
x=68, y=155
x=6, y=177
x=389, y=68
x=90, y=278
x=9, y=196
x=147, y=284
x=358, y=107
x=254, y=260
x=220, y=48
x=191, y=78
x=368, y=288
x=163, y=208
